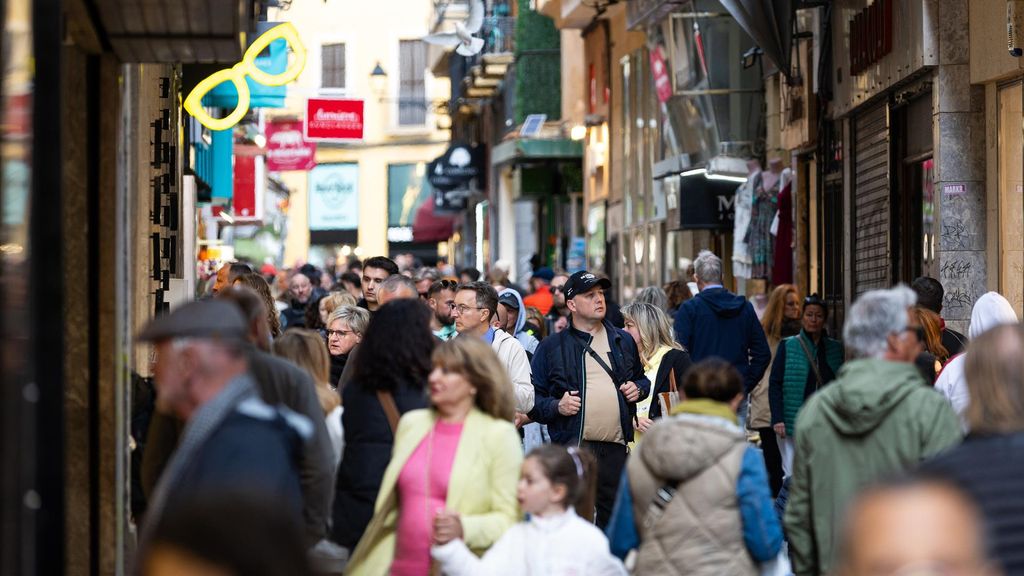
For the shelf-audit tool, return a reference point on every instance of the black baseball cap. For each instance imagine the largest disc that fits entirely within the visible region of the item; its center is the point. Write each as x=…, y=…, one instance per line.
x=581, y=283
x=509, y=299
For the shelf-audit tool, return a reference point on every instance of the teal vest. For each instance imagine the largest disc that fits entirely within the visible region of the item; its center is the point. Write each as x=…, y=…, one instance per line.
x=797, y=371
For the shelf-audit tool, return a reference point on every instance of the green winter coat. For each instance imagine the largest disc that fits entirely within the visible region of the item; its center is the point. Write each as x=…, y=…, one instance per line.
x=876, y=419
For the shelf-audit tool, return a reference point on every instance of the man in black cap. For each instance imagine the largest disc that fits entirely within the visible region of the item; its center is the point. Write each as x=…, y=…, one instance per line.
x=232, y=441
x=587, y=380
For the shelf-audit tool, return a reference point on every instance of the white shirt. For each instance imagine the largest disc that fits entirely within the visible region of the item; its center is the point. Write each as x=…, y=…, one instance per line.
x=563, y=545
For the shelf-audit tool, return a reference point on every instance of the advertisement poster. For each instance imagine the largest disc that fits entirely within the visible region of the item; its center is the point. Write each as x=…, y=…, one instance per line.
x=287, y=148
x=334, y=197
x=334, y=119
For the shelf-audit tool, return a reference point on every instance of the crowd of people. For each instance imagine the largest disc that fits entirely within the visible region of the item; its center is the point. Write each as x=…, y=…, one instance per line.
x=387, y=418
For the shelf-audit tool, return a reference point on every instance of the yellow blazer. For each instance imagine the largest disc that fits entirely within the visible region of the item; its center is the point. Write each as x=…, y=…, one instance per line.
x=482, y=487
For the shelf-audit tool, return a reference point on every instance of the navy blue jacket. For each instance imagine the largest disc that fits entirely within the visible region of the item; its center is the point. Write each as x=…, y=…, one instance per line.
x=558, y=368
x=254, y=455
x=718, y=323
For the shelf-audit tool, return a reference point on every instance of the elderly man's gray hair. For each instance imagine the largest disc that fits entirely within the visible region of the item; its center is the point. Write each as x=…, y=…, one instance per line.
x=873, y=317
x=396, y=283
x=708, y=267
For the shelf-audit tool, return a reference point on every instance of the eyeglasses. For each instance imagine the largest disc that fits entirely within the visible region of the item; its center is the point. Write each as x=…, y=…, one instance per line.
x=339, y=333
x=247, y=67
x=559, y=288
x=462, y=308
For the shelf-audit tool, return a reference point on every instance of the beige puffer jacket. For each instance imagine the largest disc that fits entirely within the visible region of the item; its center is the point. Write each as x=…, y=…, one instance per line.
x=700, y=532
x=760, y=414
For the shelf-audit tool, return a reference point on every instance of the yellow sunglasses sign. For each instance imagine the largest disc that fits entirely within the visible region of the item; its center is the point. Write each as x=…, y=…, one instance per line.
x=247, y=67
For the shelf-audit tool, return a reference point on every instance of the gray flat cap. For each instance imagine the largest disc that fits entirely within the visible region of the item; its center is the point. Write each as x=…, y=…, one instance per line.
x=201, y=319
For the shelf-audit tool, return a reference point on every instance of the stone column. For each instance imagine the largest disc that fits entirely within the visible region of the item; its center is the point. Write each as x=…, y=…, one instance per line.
x=959, y=151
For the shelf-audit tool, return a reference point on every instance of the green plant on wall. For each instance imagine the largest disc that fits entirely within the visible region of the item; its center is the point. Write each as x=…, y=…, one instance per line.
x=538, y=65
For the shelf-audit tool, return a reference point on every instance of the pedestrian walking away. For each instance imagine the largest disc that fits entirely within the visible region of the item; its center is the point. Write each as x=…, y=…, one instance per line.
x=588, y=379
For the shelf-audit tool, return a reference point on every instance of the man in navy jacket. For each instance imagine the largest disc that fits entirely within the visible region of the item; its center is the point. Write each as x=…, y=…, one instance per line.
x=718, y=323
x=586, y=401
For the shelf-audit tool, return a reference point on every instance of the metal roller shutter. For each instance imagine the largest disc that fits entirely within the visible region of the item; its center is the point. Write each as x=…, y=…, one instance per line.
x=871, y=209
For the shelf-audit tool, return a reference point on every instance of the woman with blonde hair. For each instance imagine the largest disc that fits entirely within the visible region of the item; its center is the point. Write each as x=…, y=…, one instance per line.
x=332, y=302
x=665, y=361
x=346, y=327
x=305, y=349
x=453, y=470
x=781, y=320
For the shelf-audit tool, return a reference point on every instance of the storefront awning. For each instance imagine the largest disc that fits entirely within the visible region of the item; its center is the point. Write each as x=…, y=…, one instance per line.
x=430, y=227
x=769, y=23
x=525, y=150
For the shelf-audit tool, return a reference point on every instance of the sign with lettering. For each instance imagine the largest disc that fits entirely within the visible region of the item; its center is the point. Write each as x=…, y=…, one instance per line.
x=334, y=197
x=706, y=204
x=334, y=119
x=287, y=149
x=870, y=36
x=662, y=83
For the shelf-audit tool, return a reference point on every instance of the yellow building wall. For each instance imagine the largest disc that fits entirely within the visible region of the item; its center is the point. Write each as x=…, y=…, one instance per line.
x=371, y=32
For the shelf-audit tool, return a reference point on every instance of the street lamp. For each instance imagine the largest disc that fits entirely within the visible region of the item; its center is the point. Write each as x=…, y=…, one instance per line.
x=378, y=80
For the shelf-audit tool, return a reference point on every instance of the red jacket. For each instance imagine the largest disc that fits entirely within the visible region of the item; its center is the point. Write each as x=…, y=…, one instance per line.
x=542, y=299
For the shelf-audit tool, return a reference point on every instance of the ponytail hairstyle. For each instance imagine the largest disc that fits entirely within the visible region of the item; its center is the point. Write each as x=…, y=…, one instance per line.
x=574, y=468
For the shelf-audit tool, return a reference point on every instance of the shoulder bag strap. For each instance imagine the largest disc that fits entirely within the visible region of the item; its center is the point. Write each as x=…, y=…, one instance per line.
x=593, y=354
x=813, y=361
x=387, y=401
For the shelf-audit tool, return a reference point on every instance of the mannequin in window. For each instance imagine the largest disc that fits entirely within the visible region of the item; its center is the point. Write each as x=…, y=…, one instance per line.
x=782, y=269
x=741, y=261
x=759, y=238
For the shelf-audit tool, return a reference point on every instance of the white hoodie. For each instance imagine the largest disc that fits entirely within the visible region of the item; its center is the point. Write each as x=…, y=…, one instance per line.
x=563, y=545
x=513, y=357
x=989, y=311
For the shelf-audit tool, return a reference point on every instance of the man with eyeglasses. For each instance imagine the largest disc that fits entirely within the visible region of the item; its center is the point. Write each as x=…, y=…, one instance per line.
x=587, y=380
x=476, y=304
x=876, y=420
x=441, y=300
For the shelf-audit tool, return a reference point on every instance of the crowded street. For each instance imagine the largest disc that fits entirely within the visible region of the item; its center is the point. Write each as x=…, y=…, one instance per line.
x=512, y=288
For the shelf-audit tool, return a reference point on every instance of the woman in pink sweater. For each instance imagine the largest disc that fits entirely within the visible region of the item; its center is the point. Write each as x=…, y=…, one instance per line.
x=454, y=467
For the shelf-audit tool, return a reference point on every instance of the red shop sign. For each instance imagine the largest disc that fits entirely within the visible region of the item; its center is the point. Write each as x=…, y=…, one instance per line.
x=662, y=83
x=334, y=119
x=287, y=149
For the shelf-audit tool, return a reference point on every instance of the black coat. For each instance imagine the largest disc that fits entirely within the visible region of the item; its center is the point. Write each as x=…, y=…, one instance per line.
x=673, y=359
x=368, y=443
x=989, y=469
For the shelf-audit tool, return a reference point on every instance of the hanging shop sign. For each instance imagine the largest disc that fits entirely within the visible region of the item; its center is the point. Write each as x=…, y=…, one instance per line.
x=870, y=36
x=662, y=82
x=334, y=119
x=247, y=200
x=287, y=149
x=457, y=167
x=706, y=204
x=334, y=197
x=238, y=73
x=451, y=201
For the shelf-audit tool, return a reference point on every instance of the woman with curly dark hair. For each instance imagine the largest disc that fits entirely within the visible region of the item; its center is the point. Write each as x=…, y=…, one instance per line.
x=260, y=286
x=389, y=376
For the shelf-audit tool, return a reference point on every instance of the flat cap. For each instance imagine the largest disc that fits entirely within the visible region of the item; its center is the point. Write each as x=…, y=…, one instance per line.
x=544, y=273
x=201, y=319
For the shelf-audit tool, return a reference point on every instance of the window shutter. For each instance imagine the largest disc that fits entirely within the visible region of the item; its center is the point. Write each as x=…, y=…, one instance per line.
x=412, y=91
x=332, y=60
x=871, y=205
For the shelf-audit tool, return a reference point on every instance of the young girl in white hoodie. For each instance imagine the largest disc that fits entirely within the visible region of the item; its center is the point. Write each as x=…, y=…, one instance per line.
x=554, y=540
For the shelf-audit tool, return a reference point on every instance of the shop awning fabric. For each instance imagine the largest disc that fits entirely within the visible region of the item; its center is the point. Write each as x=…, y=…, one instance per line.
x=769, y=23
x=430, y=227
x=523, y=149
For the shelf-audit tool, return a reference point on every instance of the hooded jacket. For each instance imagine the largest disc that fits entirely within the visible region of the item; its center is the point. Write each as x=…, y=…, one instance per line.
x=558, y=367
x=529, y=341
x=718, y=323
x=989, y=311
x=720, y=519
x=876, y=419
x=513, y=358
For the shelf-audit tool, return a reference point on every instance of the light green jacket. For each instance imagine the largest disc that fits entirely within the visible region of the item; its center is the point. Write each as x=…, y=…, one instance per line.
x=482, y=487
x=878, y=418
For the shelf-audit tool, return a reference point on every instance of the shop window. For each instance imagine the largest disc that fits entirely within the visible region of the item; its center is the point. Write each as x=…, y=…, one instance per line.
x=1011, y=190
